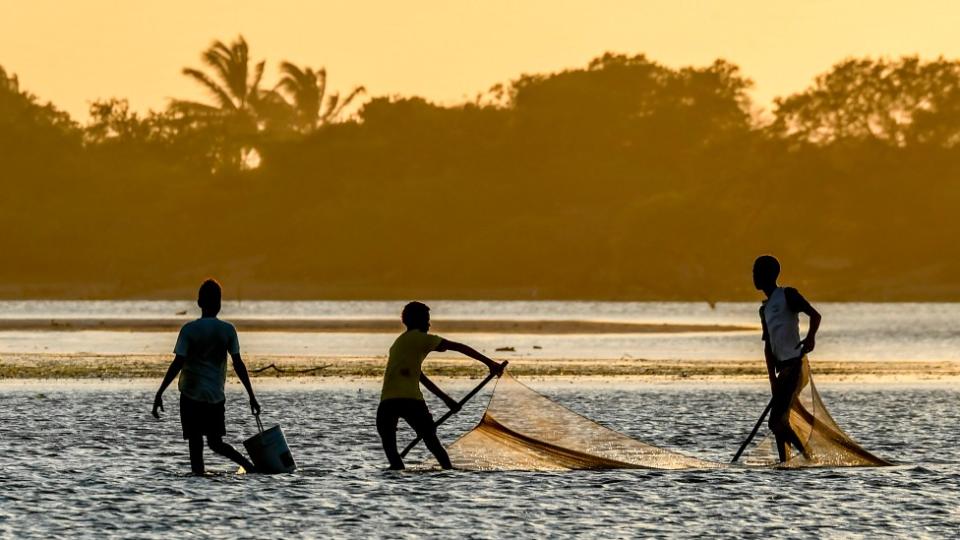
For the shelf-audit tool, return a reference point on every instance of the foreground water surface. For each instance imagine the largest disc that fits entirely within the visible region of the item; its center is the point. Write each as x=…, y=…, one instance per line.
x=87, y=459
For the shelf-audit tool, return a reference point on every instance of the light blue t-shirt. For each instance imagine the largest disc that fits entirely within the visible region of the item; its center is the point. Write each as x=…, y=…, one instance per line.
x=205, y=343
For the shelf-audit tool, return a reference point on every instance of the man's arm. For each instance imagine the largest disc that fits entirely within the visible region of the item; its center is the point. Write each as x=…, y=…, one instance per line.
x=244, y=377
x=435, y=390
x=799, y=304
x=771, y=364
x=768, y=350
x=465, y=350
x=808, y=343
x=172, y=372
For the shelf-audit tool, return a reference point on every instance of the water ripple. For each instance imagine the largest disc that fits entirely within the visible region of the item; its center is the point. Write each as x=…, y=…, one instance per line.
x=95, y=464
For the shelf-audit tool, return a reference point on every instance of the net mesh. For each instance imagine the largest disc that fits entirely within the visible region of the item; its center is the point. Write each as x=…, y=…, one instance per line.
x=523, y=430
x=826, y=443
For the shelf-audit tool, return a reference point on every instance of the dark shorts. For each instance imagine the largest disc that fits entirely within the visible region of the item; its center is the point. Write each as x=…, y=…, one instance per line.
x=200, y=418
x=413, y=411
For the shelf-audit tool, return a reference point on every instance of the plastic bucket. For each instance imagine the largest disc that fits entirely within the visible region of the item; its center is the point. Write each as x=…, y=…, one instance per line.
x=269, y=451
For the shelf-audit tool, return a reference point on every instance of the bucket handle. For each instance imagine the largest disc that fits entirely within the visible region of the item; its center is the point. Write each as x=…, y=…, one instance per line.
x=259, y=424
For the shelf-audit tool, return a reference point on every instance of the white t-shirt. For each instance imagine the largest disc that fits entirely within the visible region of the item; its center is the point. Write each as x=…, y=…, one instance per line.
x=781, y=323
x=205, y=343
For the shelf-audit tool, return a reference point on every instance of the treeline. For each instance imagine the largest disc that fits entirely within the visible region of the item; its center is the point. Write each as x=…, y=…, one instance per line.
x=624, y=179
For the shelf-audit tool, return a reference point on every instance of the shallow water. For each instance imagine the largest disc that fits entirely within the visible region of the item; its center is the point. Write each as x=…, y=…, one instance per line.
x=88, y=460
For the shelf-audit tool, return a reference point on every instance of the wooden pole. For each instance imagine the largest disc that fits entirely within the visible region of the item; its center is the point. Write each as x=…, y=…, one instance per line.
x=462, y=401
x=753, y=433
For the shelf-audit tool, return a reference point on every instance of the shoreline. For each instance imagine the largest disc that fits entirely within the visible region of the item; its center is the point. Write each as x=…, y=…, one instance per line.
x=40, y=366
x=367, y=325
x=463, y=384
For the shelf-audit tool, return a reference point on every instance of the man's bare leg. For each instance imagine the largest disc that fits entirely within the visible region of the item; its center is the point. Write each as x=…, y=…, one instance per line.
x=785, y=393
x=217, y=445
x=196, y=454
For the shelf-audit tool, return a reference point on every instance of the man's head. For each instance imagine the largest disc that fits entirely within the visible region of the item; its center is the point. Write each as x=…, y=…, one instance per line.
x=416, y=316
x=208, y=298
x=766, y=269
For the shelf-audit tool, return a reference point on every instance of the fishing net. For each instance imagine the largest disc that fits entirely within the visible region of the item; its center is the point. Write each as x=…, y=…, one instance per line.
x=826, y=443
x=523, y=430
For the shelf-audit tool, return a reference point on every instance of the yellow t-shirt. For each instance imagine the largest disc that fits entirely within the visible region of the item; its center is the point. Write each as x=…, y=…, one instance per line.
x=402, y=376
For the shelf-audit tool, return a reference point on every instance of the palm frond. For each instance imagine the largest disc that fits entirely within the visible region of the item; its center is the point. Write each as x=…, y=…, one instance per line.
x=331, y=108
x=296, y=81
x=220, y=48
x=287, y=85
x=219, y=63
x=301, y=86
x=192, y=110
x=321, y=83
x=241, y=47
x=221, y=95
x=220, y=57
x=345, y=102
x=240, y=62
x=254, y=88
x=292, y=70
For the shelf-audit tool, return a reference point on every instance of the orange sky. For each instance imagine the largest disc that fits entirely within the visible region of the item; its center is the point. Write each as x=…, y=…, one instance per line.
x=71, y=52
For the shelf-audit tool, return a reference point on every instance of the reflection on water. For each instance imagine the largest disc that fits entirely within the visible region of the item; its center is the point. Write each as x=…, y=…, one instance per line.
x=850, y=331
x=89, y=460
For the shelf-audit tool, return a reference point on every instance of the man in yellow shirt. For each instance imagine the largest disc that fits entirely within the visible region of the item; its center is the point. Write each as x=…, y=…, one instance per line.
x=401, y=396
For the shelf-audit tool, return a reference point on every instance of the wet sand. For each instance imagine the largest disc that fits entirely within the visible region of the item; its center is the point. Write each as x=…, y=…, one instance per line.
x=92, y=366
x=369, y=325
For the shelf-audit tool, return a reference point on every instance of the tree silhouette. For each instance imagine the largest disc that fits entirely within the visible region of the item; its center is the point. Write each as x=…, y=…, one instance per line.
x=25, y=123
x=235, y=115
x=9, y=83
x=112, y=120
x=626, y=102
x=897, y=102
x=307, y=90
x=620, y=179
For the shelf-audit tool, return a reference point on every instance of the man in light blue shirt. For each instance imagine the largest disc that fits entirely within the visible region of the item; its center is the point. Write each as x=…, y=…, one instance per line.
x=201, y=360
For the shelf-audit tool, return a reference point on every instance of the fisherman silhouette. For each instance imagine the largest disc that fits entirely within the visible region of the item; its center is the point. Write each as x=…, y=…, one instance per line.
x=201, y=360
x=401, y=396
x=783, y=348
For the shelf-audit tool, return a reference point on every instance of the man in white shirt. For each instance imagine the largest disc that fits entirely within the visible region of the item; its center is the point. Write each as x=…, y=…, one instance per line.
x=201, y=360
x=783, y=348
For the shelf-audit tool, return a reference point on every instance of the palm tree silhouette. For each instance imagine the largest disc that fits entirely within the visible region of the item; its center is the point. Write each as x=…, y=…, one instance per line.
x=238, y=99
x=307, y=90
